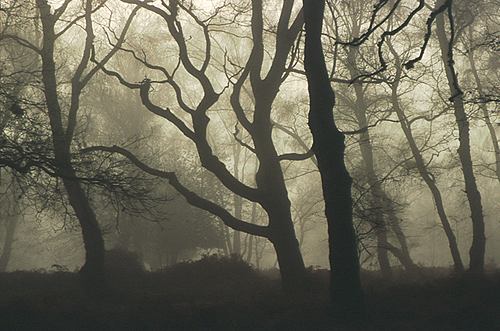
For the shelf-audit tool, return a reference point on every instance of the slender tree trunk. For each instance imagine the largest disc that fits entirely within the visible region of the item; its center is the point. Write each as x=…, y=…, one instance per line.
x=251, y=238
x=376, y=190
x=429, y=180
x=329, y=147
x=238, y=206
x=10, y=229
x=258, y=254
x=228, y=247
x=402, y=253
x=424, y=173
x=360, y=107
x=486, y=114
x=379, y=198
x=478, y=246
x=237, y=201
x=173, y=257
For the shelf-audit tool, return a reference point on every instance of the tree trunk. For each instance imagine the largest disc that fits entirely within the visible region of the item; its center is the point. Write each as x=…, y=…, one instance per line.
x=426, y=176
x=290, y=261
x=92, y=271
x=10, y=229
x=376, y=190
x=271, y=182
x=484, y=109
x=403, y=253
x=237, y=201
x=251, y=238
x=282, y=232
x=238, y=204
x=329, y=147
x=360, y=107
x=478, y=246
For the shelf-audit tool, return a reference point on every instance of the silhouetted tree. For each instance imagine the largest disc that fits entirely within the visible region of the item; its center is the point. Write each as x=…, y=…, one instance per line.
x=63, y=114
x=328, y=147
x=421, y=165
x=446, y=44
x=270, y=191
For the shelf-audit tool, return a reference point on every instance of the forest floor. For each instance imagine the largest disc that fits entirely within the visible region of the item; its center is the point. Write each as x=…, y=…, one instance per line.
x=226, y=294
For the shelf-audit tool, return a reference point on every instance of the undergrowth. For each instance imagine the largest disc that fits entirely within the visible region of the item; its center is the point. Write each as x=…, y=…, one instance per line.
x=225, y=293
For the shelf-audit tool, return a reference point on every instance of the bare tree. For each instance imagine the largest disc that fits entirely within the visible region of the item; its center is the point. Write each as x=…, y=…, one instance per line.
x=446, y=45
x=270, y=191
x=483, y=101
x=63, y=114
x=328, y=147
x=421, y=165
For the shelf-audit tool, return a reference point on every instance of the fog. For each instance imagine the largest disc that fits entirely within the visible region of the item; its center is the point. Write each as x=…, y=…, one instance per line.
x=166, y=133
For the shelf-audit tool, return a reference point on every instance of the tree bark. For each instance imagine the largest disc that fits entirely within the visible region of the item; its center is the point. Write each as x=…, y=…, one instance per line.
x=329, y=147
x=477, y=249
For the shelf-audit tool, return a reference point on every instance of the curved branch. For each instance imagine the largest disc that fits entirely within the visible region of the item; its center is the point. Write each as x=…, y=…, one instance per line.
x=191, y=197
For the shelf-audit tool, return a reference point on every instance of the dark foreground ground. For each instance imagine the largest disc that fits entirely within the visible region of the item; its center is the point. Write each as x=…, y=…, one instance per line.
x=226, y=294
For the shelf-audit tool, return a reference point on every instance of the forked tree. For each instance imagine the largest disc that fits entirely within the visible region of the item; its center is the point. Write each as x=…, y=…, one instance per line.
x=261, y=75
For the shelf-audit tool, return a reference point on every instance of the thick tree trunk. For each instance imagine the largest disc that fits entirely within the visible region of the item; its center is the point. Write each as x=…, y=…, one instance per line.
x=92, y=270
x=271, y=182
x=10, y=229
x=282, y=232
x=328, y=146
x=478, y=246
x=290, y=260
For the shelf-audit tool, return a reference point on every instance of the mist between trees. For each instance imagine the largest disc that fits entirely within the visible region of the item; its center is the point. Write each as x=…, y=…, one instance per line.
x=174, y=129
